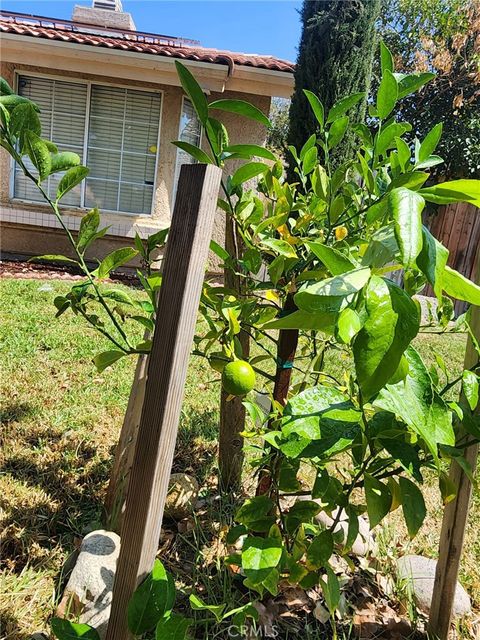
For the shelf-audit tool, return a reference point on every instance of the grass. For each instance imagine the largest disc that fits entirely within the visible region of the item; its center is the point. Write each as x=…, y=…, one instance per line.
x=60, y=423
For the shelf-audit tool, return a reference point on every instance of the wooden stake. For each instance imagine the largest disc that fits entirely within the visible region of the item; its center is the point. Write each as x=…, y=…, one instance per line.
x=125, y=449
x=183, y=275
x=455, y=515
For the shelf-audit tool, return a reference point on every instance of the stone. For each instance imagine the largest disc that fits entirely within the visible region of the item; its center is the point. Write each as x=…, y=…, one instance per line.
x=88, y=593
x=419, y=574
x=181, y=497
x=364, y=544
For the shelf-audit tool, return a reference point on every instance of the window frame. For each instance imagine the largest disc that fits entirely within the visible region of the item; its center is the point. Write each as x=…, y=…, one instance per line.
x=18, y=72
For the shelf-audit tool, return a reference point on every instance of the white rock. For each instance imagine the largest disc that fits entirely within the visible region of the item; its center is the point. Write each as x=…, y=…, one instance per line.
x=364, y=544
x=182, y=496
x=419, y=573
x=89, y=589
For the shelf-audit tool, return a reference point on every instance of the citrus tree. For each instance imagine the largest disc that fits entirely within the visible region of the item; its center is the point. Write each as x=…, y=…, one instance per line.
x=315, y=277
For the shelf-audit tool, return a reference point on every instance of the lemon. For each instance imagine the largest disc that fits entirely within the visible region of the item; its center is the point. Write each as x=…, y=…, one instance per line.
x=341, y=232
x=238, y=378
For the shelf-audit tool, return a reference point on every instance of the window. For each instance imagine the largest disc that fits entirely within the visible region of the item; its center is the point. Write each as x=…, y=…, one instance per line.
x=190, y=131
x=117, y=140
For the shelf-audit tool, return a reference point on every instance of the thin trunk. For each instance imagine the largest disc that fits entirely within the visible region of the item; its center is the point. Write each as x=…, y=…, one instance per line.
x=232, y=412
x=286, y=349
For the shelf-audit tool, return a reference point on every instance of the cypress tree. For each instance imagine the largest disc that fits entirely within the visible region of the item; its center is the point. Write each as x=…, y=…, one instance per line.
x=335, y=60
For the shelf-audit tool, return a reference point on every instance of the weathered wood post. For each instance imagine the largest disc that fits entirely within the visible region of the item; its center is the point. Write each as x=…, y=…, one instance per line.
x=455, y=515
x=183, y=274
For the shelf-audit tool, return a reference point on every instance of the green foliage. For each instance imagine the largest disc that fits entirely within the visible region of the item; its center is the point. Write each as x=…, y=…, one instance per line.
x=325, y=244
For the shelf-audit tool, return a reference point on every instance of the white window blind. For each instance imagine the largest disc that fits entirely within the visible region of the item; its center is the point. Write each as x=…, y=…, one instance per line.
x=122, y=137
x=63, y=108
x=190, y=131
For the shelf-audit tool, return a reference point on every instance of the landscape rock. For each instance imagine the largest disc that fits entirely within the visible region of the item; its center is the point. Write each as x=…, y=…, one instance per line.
x=419, y=573
x=365, y=542
x=88, y=593
x=181, y=497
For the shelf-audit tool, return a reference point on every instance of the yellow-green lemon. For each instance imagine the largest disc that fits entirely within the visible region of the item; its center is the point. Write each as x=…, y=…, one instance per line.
x=238, y=378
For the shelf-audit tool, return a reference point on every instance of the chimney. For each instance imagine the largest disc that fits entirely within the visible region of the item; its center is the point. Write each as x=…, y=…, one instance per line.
x=104, y=13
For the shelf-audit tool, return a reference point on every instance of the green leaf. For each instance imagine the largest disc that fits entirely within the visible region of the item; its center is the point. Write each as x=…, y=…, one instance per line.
x=305, y=320
x=404, y=153
x=198, y=604
x=259, y=557
x=321, y=414
x=392, y=321
x=432, y=261
x=317, y=107
x=115, y=260
x=343, y=105
x=157, y=239
x=119, y=296
x=247, y=172
x=387, y=95
x=175, y=627
x=337, y=131
x=256, y=514
x=12, y=100
x=219, y=251
x=107, y=358
x=349, y=324
x=66, y=630
x=250, y=150
x=335, y=261
x=320, y=550
x=302, y=512
x=281, y=247
x=38, y=153
x=242, y=108
x=24, y=118
x=430, y=142
x=64, y=161
x=333, y=293
x=193, y=91
x=386, y=58
x=382, y=248
x=412, y=180
x=387, y=136
x=470, y=386
x=459, y=287
x=431, y=161
x=413, y=506
x=194, y=151
x=73, y=176
x=416, y=403
x=5, y=88
x=310, y=160
x=379, y=500
x=453, y=191
x=331, y=591
x=152, y=600
x=412, y=82
x=406, y=207
x=88, y=229
x=53, y=258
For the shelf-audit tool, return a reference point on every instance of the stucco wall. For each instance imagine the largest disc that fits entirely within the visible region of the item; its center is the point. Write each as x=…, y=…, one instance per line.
x=44, y=240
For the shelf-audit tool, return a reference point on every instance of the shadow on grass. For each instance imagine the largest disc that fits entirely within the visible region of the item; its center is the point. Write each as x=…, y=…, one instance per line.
x=16, y=411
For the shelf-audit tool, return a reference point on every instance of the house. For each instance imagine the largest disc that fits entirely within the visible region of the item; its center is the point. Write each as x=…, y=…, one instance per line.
x=111, y=94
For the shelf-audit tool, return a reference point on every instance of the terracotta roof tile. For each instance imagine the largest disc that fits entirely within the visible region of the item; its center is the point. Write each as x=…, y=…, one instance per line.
x=53, y=29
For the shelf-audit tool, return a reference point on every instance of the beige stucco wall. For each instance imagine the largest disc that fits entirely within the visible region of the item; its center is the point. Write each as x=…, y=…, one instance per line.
x=24, y=239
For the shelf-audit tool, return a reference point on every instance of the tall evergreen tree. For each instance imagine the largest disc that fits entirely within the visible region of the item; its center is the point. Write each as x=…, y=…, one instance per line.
x=334, y=60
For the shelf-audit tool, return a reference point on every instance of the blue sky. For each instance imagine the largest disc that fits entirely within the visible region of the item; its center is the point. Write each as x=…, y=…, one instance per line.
x=268, y=27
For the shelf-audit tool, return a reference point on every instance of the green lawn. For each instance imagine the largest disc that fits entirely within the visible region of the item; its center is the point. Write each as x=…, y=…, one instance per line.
x=60, y=422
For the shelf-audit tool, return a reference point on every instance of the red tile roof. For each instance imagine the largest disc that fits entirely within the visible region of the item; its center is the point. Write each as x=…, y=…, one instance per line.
x=139, y=42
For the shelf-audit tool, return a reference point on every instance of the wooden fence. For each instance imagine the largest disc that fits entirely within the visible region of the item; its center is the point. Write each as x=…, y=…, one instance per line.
x=457, y=226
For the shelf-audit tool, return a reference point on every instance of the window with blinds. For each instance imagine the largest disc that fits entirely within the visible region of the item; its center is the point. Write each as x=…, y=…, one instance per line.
x=117, y=140
x=190, y=131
